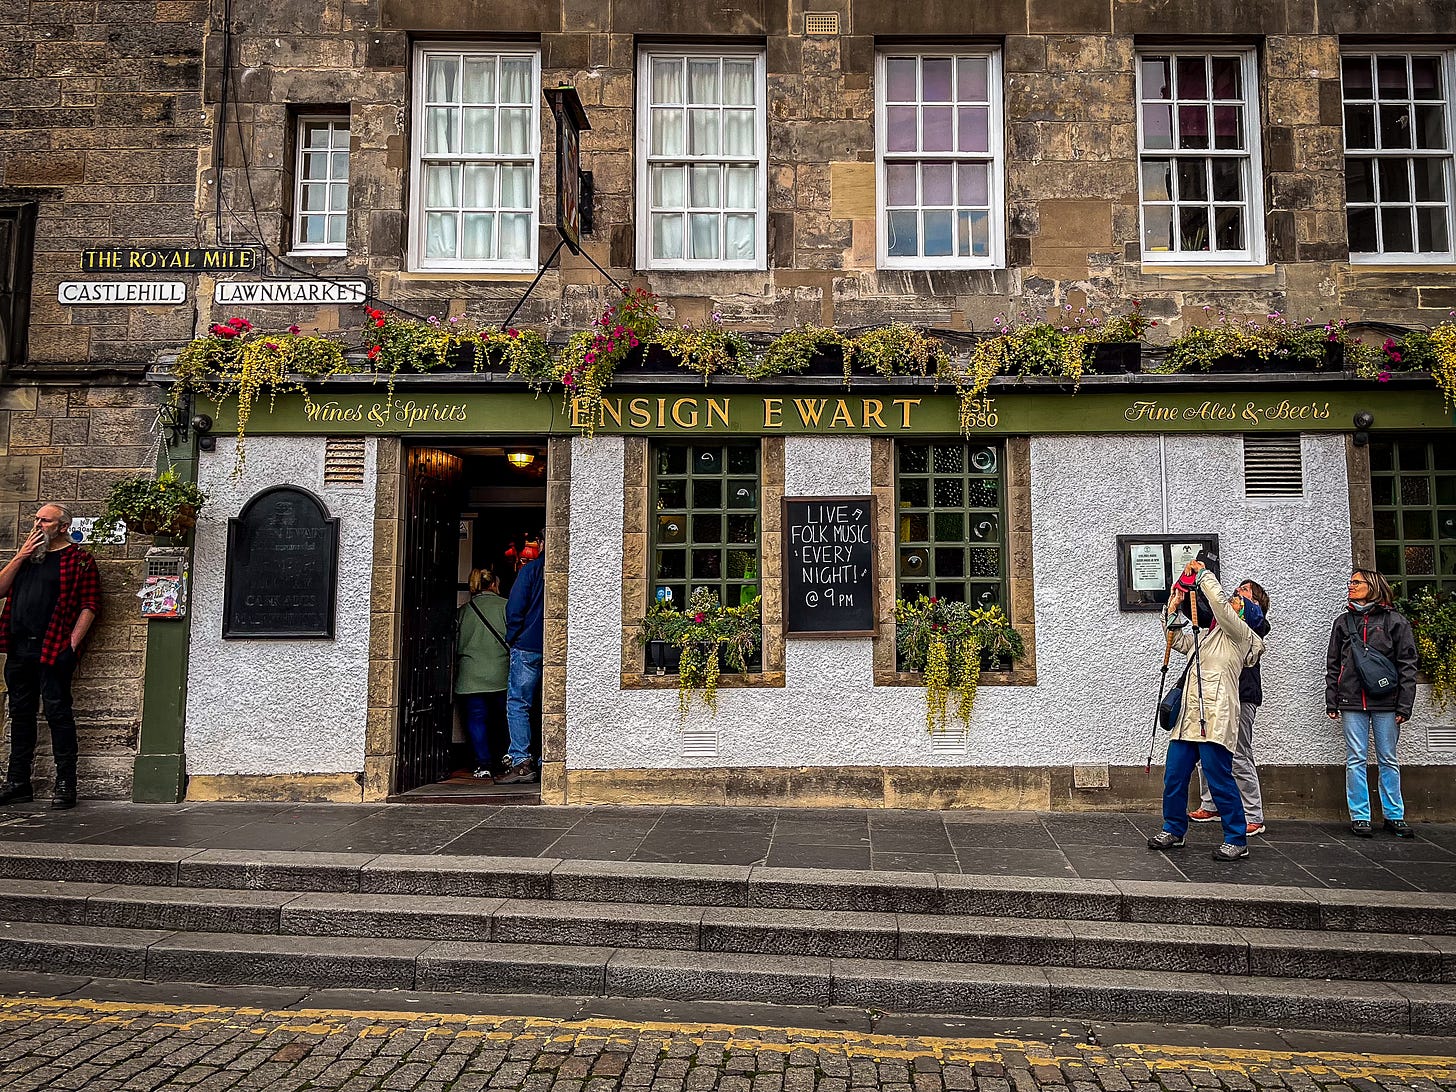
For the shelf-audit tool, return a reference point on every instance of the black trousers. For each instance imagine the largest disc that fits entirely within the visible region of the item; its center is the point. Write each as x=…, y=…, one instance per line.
x=32, y=683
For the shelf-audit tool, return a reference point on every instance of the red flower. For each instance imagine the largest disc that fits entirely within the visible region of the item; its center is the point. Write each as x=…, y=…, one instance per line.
x=1383, y=377
x=273, y=345
x=373, y=351
x=699, y=619
x=224, y=331
x=293, y=329
x=379, y=322
x=513, y=332
x=240, y=324
x=568, y=380
x=632, y=341
x=934, y=600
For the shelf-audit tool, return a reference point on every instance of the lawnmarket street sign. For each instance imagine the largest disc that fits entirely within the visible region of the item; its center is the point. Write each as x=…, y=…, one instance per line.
x=294, y=292
x=758, y=413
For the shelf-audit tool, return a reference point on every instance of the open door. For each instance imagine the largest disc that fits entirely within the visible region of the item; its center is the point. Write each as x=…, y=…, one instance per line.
x=434, y=487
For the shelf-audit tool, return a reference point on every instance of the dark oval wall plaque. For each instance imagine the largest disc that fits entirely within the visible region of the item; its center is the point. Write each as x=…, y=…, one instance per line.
x=282, y=567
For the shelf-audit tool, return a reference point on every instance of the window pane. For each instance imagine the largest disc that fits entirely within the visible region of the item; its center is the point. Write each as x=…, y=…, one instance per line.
x=515, y=133
x=1360, y=180
x=440, y=130
x=1193, y=229
x=1229, y=228
x=439, y=235
x=1192, y=78
x=939, y=234
x=936, y=133
x=703, y=186
x=667, y=187
x=1431, y=230
x=900, y=79
x=667, y=81
x=1157, y=79
x=935, y=79
x=742, y=187
x=1193, y=180
x=515, y=236
x=738, y=83
x=478, y=235
x=515, y=80
x=1157, y=127
x=1157, y=175
x=442, y=79
x=315, y=165
x=1158, y=228
x=900, y=184
x=972, y=79
x=903, y=234
x=477, y=136
x=311, y=230
x=1395, y=230
x=1359, y=126
x=1395, y=127
x=667, y=134
x=975, y=234
x=338, y=198
x=1228, y=127
x=739, y=136
x=974, y=132
x=1356, y=77
x=1193, y=127
x=479, y=79
x=1394, y=180
x=703, y=80
x=1392, y=78
x=479, y=186
x=703, y=132
x=338, y=225
x=1228, y=179
x=1431, y=127
x=1227, y=78
x=741, y=231
x=515, y=187
x=704, y=232
x=1362, y=231
x=975, y=183
x=315, y=134
x=667, y=235
x=937, y=184
x=902, y=129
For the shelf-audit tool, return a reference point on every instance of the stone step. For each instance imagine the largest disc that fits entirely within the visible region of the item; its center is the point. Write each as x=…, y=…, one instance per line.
x=868, y=935
x=575, y=970
x=1156, y=903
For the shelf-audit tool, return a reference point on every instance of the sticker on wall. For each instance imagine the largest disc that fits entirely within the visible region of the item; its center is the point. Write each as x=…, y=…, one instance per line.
x=84, y=532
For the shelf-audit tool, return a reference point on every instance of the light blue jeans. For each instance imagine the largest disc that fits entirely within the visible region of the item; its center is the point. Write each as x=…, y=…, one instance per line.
x=521, y=687
x=1357, y=727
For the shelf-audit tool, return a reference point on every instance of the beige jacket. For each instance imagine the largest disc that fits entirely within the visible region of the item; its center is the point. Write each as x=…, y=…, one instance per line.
x=1222, y=656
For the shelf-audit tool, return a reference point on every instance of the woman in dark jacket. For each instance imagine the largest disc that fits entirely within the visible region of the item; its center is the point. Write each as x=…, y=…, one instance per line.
x=1369, y=617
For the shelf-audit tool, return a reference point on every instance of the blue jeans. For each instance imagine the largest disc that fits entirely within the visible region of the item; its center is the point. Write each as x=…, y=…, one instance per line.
x=520, y=693
x=1218, y=771
x=1357, y=727
x=482, y=711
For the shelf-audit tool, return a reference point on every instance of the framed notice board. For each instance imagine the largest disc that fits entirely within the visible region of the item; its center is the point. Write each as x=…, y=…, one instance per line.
x=1147, y=565
x=829, y=566
x=282, y=567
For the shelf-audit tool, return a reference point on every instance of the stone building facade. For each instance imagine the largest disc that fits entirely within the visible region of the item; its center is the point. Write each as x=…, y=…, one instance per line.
x=158, y=124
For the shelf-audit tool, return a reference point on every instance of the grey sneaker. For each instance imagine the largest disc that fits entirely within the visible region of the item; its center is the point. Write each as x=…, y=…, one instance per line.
x=1165, y=840
x=1226, y=852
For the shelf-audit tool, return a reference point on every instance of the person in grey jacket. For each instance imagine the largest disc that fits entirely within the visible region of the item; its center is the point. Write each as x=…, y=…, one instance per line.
x=1370, y=617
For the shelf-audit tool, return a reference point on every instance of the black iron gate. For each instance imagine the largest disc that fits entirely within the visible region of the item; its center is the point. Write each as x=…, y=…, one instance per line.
x=434, y=495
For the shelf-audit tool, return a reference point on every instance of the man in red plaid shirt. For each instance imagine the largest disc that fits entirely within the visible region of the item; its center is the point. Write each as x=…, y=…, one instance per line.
x=52, y=593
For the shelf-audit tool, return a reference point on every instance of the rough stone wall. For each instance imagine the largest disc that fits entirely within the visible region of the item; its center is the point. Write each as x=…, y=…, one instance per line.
x=69, y=443
x=1071, y=156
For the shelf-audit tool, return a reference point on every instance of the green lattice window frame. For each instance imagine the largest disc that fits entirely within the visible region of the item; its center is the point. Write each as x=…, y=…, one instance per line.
x=950, y=521
x=705, y=524
x=1413, y=502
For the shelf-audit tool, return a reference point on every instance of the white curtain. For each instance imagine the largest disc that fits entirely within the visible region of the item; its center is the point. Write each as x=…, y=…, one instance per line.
x=477, y=131
x=479, y=80
x=440, y=130
x=515, y=235
x=667, y=187
x=478, y=191
x=515, y=187
x=703, y=81
x=477, y=235
x=515, y=80
x=440, y=79
x=738, y=83
x=667, y=81
x=667, y=137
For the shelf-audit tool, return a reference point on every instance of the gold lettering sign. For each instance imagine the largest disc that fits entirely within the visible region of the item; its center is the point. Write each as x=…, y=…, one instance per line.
x=403, y=415
x=1153, y=411
x=699, y=413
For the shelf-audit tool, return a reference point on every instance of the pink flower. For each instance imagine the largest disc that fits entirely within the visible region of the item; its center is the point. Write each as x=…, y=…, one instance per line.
x=293, y=329
x=273, y=345
x=1383, y=377
x=513, y=332
x=617, y=330
x=934, y=599
x=699, y=619
x=590, y=358
x=1395, y=357
x=568, y=380
x=632, y=342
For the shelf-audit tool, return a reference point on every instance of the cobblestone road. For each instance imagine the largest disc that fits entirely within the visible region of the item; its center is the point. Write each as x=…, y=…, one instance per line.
x=101, y=1046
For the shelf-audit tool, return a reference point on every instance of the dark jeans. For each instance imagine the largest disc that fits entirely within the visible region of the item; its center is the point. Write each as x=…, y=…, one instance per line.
x=1217, y=762
x=485, y=721
x=32, y=683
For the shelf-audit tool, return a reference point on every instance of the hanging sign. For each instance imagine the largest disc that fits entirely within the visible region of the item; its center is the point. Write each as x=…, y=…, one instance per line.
x=570, y=124
x=103, y=293
x=829, y=566
x=266, y=293
x=180, y=259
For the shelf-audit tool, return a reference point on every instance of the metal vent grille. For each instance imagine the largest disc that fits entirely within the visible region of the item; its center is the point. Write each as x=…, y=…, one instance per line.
x=703, y=744
x=951, y=741
x=166, y=561
x=821, y=23
x=1273, y=466
x=1441, y=737
x=344, y=460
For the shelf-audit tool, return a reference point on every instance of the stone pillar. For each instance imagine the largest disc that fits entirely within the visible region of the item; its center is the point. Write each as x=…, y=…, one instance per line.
x=553, y=663
x=382, y=729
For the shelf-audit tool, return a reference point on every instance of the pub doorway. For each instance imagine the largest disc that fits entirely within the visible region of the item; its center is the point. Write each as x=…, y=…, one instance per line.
x=477, y=505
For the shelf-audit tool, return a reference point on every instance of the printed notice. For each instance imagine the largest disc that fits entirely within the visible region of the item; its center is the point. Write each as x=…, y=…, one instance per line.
x=1182, y=553
x=1147, y=565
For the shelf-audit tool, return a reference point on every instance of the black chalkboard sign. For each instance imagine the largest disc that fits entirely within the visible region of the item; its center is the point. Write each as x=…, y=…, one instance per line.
x=282, y=567
x=829, y=566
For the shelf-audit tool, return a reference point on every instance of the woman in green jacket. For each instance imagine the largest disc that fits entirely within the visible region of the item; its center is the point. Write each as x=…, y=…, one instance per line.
x=483, y=664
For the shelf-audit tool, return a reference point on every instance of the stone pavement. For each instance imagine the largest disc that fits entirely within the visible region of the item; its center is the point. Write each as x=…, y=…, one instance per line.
x=1065, y=845
x=139, y=1046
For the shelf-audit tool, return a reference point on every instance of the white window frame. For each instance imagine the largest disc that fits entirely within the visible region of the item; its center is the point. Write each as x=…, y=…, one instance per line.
x=645, y=161
x=416, y=259
x=336, y=123
x=1253, y=253
x=995, y=155
x=1448, y=156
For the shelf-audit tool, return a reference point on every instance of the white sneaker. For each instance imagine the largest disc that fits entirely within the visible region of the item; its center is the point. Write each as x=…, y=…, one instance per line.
x=1253, y=830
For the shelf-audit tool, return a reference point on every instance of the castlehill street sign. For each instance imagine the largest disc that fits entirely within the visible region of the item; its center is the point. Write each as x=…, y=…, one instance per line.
x=105, y=293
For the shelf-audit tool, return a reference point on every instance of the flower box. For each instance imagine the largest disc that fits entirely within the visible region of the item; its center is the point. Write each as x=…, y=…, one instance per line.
x=1114, y=358
x=649, y=360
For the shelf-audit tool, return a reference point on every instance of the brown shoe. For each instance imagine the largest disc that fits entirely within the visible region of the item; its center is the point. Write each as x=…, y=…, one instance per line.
x=520, y=774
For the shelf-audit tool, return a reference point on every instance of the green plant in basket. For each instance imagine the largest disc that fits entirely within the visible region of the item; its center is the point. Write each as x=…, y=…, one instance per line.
x=705, y=631
x=950, y=643
x=708, y=349
x=1433, y=621
x=161, y=504
x=898, y=349
x=591, y=357
x=794, y=350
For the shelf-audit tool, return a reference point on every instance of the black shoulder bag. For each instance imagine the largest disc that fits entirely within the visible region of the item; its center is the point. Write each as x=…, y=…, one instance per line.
x=1172, y=703
x=1378, y=675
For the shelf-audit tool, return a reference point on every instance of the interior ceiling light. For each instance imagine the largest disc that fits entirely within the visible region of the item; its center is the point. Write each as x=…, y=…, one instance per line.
x=521, y=458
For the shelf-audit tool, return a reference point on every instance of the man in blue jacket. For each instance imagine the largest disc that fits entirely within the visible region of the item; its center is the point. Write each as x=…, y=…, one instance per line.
x=525, y=615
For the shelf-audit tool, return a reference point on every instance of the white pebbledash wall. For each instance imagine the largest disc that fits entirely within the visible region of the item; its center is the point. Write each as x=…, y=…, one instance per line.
x=1096, y=666
x=279, y=706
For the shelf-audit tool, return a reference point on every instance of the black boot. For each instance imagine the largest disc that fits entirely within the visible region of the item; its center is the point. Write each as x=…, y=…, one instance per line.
x=65, y=796
x=16, y=792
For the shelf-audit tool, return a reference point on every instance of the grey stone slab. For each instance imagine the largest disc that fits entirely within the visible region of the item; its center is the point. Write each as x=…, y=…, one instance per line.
x=76, y=949
x=1253, y=906
x=1446, y=946
x=1380, y=957
x=963, y=988
x=719, y=976
x=55, y=901
x=800, y=932
x=831, y=889
x=470, y=877
x=413, y=1002
x=1300, y=1003
x=272, y=870
x=404, y=917
x=1155, y=996
x=650, y=882
x=189, y=909
x=1432, y=1007
x=958, y=939
x=1140, y=946
x=611, y=925
x=236, y=959
x=452, y=966
x=38, y=984
x=1029, y=897
x=191, y=993
x=91, y=864
x=1415, y=912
